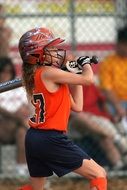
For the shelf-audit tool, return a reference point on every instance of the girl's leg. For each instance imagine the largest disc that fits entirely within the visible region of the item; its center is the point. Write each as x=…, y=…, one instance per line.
x=93, y=172
x=37, y=183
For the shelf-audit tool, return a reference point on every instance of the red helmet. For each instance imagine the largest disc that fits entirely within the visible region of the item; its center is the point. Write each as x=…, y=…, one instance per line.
x=33, y=42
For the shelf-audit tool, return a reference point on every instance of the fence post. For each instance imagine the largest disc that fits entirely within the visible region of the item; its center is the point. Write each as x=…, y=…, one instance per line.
x=72, y=23
x=121, y=13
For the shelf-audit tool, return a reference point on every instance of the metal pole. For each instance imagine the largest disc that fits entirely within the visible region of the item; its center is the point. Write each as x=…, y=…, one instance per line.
x=125, y=20
x=121, y=10
x=72, y=24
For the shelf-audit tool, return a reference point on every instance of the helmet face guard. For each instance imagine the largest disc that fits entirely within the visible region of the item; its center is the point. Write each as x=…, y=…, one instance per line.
x=33, y=45
x=54, y=56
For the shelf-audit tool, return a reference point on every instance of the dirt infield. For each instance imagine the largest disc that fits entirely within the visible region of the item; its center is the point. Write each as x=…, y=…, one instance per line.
x=67, y=184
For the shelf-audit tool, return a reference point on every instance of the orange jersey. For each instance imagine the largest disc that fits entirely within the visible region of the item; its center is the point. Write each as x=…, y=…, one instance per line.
x=52, y=110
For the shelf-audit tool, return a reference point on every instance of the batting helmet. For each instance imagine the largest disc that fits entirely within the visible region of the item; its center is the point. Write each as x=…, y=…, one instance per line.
x=33, y=43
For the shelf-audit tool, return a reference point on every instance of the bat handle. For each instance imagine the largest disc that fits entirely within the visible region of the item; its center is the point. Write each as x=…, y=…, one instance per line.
x=94, y=59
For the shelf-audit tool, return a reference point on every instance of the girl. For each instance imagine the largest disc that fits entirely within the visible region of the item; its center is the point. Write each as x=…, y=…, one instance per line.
x=53, y=93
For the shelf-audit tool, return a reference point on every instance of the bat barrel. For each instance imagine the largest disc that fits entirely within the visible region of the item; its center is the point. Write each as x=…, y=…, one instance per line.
x=9, y=85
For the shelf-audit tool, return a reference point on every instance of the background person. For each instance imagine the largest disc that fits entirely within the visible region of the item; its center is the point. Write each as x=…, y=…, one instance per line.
x=13, y=115
x=113, y=77
x=5, y=34
x=98, y=123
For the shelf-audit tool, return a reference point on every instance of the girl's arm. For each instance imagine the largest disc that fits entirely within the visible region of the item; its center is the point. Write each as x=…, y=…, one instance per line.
x=76, y=97
x=59, y=76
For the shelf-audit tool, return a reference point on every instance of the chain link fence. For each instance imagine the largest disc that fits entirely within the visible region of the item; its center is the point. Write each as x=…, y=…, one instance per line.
x=89, y=28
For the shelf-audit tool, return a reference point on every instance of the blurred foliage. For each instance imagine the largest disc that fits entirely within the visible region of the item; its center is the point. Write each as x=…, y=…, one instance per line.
x=95, y=6
x=59, y=6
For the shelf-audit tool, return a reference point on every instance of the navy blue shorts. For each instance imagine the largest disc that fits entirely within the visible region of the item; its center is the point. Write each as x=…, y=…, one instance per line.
x=49, y=152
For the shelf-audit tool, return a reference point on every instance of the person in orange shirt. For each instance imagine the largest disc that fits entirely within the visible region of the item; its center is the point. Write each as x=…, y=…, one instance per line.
x=113, y=76
x=53, y=93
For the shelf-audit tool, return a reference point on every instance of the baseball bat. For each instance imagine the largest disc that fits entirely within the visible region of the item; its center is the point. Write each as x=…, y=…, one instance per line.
x=9, y=85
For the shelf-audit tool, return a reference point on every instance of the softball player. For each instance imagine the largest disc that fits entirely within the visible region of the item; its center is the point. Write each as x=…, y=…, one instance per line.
x=53, y=93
